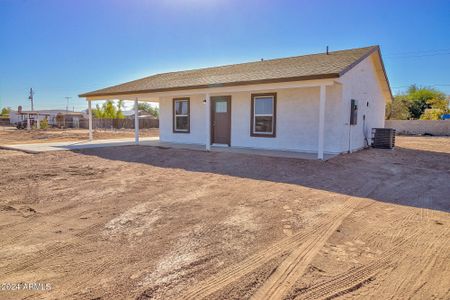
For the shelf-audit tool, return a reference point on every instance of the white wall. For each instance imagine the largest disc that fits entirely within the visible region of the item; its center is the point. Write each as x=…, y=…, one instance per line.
x=434, y=127
x=362, y=84
x=197, y=133
x=297, y=115
x=297, y=121
x=296, y=124
x=14, y=117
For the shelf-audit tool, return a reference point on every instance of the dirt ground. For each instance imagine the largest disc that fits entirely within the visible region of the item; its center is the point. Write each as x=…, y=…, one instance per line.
x=11, y=135
x=153, y=223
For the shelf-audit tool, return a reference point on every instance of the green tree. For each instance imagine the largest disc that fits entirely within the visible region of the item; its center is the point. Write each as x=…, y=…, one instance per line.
x=441, y=103
x=109, y=110
x=432, y=114
x=5, y=111
x=44, y=123
x=120, y=106
x=398, y=109
x=98, y=112
x=154, y=111
x=424, y=98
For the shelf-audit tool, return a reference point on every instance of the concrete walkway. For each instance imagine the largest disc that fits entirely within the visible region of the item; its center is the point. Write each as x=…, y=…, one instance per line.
x=62, y=146
x=154, y=142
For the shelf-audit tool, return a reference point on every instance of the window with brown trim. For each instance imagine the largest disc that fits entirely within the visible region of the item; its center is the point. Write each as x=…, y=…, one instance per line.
x=263, y=115
x=181, y=115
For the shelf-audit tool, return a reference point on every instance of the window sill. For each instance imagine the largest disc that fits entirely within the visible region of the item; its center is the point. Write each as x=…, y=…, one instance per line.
x=271, y=135
x=176, y=131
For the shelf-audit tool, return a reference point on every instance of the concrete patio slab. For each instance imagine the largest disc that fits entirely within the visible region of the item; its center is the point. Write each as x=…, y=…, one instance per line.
x=155, y=142
x=220, y=148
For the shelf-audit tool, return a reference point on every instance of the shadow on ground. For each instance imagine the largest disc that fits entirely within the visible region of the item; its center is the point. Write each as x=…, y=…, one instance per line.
x=403, y=176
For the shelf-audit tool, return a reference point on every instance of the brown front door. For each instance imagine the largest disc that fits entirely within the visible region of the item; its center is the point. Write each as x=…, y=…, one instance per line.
x=221, y=120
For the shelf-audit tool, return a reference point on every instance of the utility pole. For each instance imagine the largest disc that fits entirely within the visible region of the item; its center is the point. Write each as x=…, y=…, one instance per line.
x=31, y=99
x=67, y=103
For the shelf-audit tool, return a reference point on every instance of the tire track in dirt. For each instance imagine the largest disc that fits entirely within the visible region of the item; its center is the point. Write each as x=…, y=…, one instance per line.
x=355, y=278
x=235, y=272
x=285, y=276
x=38, y=257
x=412, y=280
x=53, y=251
x=310, y=239
x=414, y=276
x=90, y=273
x=427, y=264
x=283, y=279
x=403, y=225
x=400, y=227
x=63, y=208
x=349, y=280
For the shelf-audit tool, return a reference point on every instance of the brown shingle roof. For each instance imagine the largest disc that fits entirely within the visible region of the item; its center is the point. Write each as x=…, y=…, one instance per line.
x=313, y=66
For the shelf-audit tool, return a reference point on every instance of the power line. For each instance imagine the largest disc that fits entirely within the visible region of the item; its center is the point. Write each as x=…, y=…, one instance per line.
x=414, y=56
x=418, y=52
x=406, y=86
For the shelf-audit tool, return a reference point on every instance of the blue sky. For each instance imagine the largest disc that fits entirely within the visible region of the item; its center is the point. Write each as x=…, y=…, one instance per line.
x=63, y=48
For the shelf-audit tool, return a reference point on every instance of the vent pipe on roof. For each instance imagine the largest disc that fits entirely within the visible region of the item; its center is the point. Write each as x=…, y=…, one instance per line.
x=327, y=50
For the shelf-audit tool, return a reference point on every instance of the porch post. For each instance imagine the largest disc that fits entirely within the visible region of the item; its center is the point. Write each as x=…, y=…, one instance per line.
x=136, y=122
x=90, y=120
x=208, y=121
x=323, y=97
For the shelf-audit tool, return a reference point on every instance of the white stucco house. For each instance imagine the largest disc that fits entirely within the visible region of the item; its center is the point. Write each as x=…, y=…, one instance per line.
x=69, y=118
x=16, y=116
x=301, y=103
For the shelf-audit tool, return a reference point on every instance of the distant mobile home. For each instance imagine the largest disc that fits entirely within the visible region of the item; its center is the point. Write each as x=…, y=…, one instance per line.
x=324, y=103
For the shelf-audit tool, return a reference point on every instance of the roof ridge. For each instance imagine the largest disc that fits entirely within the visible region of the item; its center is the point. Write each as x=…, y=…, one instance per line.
x=253, y=62
x=266, y=60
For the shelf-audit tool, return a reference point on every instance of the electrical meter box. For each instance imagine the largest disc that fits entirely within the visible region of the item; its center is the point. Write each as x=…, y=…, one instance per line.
x=353, y=112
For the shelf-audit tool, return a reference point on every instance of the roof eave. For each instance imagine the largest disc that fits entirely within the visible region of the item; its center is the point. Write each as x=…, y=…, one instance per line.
x=352, y=65
x=228, y=84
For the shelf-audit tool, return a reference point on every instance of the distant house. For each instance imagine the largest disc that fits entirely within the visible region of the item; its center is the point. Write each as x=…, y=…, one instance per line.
x=23, y=115
x=319, y=103
x=129, y=114
x=55, y=117
x=67, y=119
